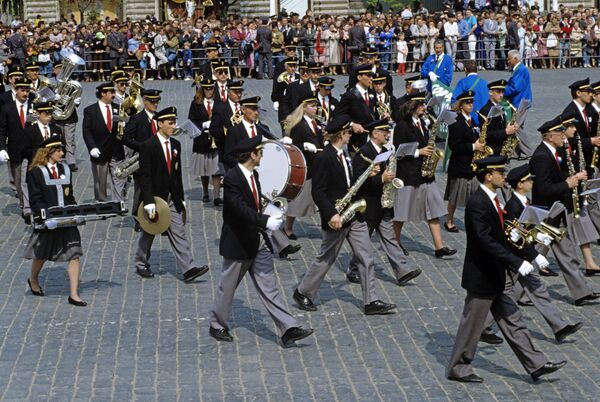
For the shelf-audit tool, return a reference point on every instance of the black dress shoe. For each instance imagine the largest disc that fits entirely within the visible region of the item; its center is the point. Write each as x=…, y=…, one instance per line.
x=582, y=301
x=290, y=249
x=444, y=251
x=547, y=369
x=492, y=339
x=379, y=307
x=291, y=236
x=526, y=303
x=35, y=292
x=193, y=273
x=566, y=331
x=79, y=303
x=592, y=272
x=205, y=198
x=408, y=277
x=547, y=272
x=453, y=229
x=220, y=334
x=353, y=277
x=145, y=272
x=304, y=303
x=469, y=378
x=73, y=167
x=294, y=334
x=217, y=202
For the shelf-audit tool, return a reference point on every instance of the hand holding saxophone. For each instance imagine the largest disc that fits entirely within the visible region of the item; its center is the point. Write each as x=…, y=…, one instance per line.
x=478, y=146
x=335, y=222
x=512, y=129
x=426, y=151
x=388, y=176
x=375, y=171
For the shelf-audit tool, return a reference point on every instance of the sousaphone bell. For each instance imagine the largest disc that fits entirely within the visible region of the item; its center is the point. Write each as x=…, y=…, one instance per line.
x=161, y=221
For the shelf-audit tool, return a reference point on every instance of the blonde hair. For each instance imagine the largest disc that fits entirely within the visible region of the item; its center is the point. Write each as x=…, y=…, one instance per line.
x=41, y=158
x=293, y=119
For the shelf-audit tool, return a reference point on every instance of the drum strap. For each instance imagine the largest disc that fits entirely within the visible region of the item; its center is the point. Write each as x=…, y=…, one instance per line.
x=65, y=181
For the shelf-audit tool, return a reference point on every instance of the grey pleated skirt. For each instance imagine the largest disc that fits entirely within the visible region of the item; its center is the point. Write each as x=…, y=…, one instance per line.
x=54, y=245
x=205, y=164
x=303, y=204
x=459, y=190
x=420, y=203
x=581, y=230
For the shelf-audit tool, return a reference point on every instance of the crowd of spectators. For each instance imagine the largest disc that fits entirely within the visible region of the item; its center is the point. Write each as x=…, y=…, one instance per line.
x=482, y=30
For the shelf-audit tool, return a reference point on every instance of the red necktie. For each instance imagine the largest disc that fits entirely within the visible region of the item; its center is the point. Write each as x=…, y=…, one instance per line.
x=556, y=159
x=237, y=108
x=314, y=126
x=54, y=173
x=154, y=128
x=254, y=192
x=252, y=132
x=587, y=127
x=367, y=98
x=469, y=122
x=108, y=118
x=499, y=212
x=208, y=109
x=22, y=116
x=223, y=97
x=419, y=127
x=324, y=105
x=46, y=133
x=168, y=156
x=526, y=202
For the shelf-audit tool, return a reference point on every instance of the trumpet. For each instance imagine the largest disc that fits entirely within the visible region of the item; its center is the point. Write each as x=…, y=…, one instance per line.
x=530, y=236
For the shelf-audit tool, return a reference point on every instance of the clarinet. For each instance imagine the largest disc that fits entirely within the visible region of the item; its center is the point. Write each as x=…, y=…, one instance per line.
x=574, y=191
x=582, y=167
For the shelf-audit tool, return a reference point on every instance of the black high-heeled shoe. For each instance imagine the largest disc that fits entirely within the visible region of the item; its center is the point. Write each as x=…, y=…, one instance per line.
x=77, y=303
x=35, y=292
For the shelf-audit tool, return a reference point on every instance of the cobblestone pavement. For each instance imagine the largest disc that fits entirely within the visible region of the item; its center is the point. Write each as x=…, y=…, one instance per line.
x=148, y=340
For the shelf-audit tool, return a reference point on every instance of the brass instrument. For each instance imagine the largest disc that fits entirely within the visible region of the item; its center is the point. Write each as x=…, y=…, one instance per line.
x=279, y=202
x=133, y=104
x=284, y=77
x=512, y=141
x=574, y=190
x=487, y=150
x=383, y=109
x=236, y=118
x=321, y=116
x=207, y=3
x=127, y=167
x=67, y=90
x=344, y=206
x=389, y=189
x=529, y=236
x=430, y=162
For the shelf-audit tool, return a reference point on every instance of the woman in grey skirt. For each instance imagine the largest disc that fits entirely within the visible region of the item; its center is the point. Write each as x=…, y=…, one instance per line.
x=420, y=199
x=463, y=141
x=306, y=134
x=205, y=153
x=49, y=185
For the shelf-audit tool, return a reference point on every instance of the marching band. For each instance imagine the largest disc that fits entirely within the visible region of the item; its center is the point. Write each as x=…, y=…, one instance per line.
x=366, y=163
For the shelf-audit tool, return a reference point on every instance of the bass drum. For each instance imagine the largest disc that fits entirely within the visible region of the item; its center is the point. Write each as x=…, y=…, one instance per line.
x=282, y=170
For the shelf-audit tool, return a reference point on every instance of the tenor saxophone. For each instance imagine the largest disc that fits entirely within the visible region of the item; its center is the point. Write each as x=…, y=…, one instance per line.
x=487, y=150
x=430, y=162
x=344, y=206
x=512, y=141
x=389, y=189
x=575, y=190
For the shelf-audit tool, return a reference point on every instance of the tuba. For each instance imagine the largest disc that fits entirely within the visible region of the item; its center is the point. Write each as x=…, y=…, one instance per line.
x=67, y=90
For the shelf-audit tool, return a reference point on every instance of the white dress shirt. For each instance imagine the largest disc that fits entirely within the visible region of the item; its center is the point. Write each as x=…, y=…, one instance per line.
x=164, y=140
x=248, y=126
x=43, y=128
x=345, y=163
x=102, y=107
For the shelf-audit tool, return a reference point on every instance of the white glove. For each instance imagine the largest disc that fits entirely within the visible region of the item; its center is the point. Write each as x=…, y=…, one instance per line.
x=433, y=76
x=515, y=236
x=4, y=156
x=150, y=210
x=95, y=153
x=276, y=106
x=543, y=238
x=57, y=97
x=51, y=224
x=77, y=101
x=183, y=202
x=287, y=140
x=541, y=261
x=310, y=147
x=275, y=222
x=206, y=124
x=525, y=268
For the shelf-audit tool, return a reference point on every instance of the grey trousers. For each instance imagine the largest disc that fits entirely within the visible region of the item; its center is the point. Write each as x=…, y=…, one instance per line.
x=11, y=178
x=70, y=143
x=101, y=172
x=509, y=319
x=16, y=170
x=263, y=276
x=179, y=243
x=535, y=289
x=24, y=189
x=357, y=235
x=490, y=52
x=395, y=255
x=137, y=197
x=565, y=253
x=279, y=240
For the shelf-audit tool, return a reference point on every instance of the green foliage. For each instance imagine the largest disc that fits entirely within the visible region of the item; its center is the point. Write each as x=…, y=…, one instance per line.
x=387, y=4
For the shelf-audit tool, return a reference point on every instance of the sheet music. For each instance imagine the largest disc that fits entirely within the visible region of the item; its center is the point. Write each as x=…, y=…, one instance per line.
x=191, y=129
x=407, y=149
x=382, y=157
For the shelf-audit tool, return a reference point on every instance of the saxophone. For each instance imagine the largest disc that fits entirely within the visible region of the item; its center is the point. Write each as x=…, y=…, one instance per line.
x=575, y=190
x=389, y=189
x=487, y=150
x=344, y=206
x=512, y=141
x=430, y=162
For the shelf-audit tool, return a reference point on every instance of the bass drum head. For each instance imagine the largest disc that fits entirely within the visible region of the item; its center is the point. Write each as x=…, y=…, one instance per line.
x=274, y=169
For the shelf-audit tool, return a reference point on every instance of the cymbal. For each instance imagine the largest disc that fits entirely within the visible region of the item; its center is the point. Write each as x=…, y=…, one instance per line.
x=161, y=221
